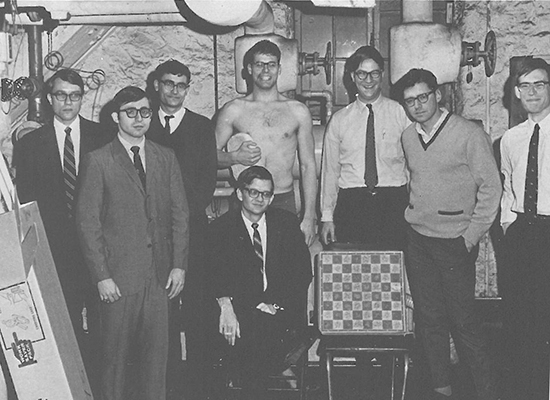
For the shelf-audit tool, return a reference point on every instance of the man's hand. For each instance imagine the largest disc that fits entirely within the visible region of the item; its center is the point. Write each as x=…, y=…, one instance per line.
x=229, y=325
x=308, y=228
x=327, y=232
x=176, y=279
x=108, y=290
x=248, y=153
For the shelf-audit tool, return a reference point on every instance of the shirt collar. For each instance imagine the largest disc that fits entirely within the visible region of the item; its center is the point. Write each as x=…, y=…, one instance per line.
x=261, y=223
x=177, y=115
x=127, y=145
x=362, y=105
x=544, y=124
x=421, y=131
x=60, y=126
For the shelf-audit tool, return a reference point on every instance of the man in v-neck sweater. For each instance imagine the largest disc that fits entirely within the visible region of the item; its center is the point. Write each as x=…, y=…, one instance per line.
x=455, y=190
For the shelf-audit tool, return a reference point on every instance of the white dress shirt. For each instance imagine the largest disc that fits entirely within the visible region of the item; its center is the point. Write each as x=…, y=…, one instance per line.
x=127, y=145
x=514, y=149
x=60, y=134
x=262, y=228
x=343, y=164
x=174, y=122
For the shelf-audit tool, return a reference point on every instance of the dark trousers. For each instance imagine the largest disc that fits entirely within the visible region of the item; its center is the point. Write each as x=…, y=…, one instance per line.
x=135, y=323
x=373, y=219
x=259, y=352
x=527, y=307
x=442, y=279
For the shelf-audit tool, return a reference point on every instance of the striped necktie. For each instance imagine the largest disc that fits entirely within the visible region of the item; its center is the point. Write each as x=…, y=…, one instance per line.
x=371, y=174
x=138, y=164
x=532, y=176
x=257, y=242
x=69, y=171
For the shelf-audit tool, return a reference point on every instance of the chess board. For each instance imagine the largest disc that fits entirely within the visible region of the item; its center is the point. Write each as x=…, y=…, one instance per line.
x=363, y=292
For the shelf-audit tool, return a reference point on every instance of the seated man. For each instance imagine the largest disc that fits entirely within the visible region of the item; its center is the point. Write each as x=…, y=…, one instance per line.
x=260, y=271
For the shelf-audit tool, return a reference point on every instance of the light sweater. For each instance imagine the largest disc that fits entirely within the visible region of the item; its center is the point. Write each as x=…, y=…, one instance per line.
x=455, y=186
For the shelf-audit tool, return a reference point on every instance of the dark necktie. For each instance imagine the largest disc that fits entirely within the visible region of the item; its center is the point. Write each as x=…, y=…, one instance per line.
x=167, y=119
x=257, y=241
x=138, y=165
x=531, y=176
x=69, y=171
x=371, y=175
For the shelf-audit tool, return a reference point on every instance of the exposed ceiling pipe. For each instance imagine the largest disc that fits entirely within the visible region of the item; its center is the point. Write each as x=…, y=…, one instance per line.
x=261, y=22
x=34, y=34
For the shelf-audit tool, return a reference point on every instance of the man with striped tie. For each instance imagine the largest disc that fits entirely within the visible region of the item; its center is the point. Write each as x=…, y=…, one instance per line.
x=260, y=272
x=47, y=163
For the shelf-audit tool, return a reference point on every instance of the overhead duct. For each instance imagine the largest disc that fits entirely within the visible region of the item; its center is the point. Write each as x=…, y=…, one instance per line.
x=420, y=43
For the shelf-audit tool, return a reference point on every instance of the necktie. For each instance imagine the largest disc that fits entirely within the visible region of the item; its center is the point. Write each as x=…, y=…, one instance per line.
x=138, y=165
x=257, y=242
x=69, y=171
x=167, y=119
x=371, y=175
x=531, y=176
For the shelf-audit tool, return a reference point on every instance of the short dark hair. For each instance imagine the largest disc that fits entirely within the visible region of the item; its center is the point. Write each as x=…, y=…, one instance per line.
x=361, y=54
x=128, y=95
x=173, y=67
x=262, y=47
x=255, y=172
x=67, y=75
x=414, y=76
x=528, y=65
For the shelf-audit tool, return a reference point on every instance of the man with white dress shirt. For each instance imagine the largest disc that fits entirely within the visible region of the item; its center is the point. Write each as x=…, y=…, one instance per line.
x=363, y=172
x=525, y=218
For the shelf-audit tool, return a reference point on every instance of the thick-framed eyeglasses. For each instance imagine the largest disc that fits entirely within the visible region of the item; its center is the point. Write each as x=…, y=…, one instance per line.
x=171, y=85
x=253, y=193
x=526, y=87
x=133, y=112
x=422, y=98
x=261, y=65
x=362, y=75
x=62, y=96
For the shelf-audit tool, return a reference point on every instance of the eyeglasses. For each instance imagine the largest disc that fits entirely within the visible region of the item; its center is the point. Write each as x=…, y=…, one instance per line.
x=262, y=65
x=62, y=96
x=422, y=98
x=171, y=85
x=253, y=193
x=362, y=75
x=133, y=112
x=525, y=87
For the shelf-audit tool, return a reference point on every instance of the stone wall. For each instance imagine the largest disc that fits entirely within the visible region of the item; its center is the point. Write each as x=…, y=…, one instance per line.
x=521, y=28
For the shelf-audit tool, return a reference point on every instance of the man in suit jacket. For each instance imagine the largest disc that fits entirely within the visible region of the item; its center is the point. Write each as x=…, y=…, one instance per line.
x=132, y=219
x=261, y=270
x=191, y=136
x=40, y=158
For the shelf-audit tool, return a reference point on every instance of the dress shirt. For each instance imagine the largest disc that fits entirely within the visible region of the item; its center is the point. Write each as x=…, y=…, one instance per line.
x=343, y=164
x=60, y=134
x=127, y=145
x=262, y=228
x=514, y=150
x=174, y=122
x=427, y=136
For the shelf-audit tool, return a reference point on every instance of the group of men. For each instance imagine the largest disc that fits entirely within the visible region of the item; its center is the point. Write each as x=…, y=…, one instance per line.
x=406, y=175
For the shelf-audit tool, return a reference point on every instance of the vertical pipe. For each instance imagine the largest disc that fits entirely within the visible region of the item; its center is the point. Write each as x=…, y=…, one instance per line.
x=34, y=37
x=417, y=11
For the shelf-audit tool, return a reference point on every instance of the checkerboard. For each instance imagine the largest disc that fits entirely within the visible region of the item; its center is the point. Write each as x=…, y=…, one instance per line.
x=363, y=292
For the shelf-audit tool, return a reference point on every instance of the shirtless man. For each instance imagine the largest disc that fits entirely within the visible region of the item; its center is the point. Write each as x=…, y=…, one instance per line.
x=278, y=127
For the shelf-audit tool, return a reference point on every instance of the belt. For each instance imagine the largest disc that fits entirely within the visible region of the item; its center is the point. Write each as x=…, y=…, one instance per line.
x=374, y=191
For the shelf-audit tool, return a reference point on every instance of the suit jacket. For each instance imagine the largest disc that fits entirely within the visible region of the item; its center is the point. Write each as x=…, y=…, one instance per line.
x=39, y=177
x=195, y=146
x=128, y=234
x=235, y=268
